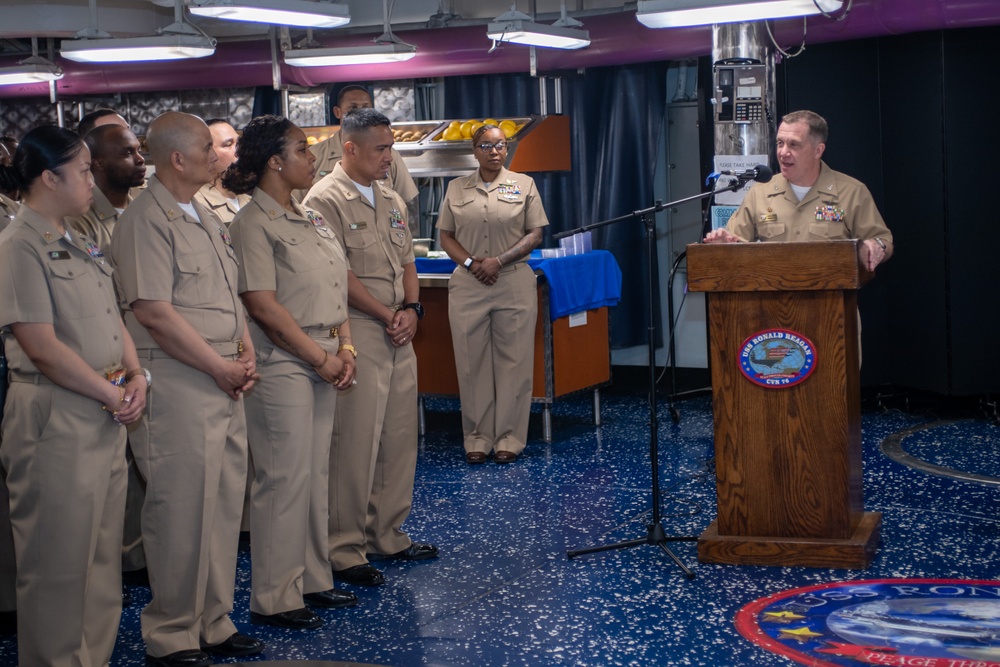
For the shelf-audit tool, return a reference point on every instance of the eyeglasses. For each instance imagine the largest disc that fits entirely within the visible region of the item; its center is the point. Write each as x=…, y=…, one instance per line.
x=488, y=148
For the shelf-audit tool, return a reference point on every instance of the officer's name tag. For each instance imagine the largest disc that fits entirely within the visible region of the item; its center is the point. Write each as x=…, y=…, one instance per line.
x=354, y=226
x=769, y=217
x=59, y=254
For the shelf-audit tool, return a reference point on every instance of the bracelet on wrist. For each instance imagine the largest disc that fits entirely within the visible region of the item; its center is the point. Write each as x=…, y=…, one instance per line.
x=326, y=355
x=348, y=348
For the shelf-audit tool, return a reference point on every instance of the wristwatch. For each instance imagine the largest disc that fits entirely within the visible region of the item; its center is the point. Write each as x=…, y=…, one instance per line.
x=467, y=263
x=417, y=308
x=145, y=373
x=881, y=243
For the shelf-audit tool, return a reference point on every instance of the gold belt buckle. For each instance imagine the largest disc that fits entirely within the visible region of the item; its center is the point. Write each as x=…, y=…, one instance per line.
x=239, y=346
x=334, y=331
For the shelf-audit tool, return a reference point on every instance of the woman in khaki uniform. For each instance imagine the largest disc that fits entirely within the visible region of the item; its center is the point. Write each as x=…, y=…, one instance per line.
x=490, y=222
x=75, y=382
x=293, y=281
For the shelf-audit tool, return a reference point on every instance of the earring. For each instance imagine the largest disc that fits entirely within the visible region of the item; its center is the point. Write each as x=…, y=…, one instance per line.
x=279, y=168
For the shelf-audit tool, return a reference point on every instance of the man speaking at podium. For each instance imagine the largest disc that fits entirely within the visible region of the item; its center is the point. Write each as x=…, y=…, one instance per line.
x=808, y=201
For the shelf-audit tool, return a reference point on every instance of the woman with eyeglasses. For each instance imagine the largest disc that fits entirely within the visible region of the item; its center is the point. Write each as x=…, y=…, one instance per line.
x=489, y=223
x=75, y=384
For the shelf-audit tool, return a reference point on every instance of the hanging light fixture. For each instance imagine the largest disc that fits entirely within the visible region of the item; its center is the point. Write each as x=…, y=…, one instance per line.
x=519, y=28
x=176, y=41
x=33, y=69
x=386, y=48
x=681, y=13
x=298, y=13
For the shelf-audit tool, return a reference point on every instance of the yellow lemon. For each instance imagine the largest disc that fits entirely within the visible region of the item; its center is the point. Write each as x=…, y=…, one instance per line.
x=491, y=121
x=474, y=127
x=452, y=134
x=509, y=128
x=466, y=129
x=455, y=123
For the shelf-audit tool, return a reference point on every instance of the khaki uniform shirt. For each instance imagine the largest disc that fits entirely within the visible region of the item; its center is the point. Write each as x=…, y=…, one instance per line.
x=212, y=199
x=48, y=279
x=8, y=210
x=99, y=222
x=162, y=254
x=328, y=153
x=488, y=220
x=376, y=240
x=297, y=256
x=836, y=207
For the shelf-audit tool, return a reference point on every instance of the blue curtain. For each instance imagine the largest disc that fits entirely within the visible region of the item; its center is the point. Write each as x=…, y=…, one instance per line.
x=617, y=116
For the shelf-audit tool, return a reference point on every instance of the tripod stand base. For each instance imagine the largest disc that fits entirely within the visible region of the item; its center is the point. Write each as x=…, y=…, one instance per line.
x=855, y=552
x=655, y=535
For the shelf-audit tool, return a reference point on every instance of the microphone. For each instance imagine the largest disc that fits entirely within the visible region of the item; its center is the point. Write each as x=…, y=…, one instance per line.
x=761, y=173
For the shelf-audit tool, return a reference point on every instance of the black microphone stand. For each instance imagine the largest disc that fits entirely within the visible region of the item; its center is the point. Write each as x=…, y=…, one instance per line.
x=655, y=534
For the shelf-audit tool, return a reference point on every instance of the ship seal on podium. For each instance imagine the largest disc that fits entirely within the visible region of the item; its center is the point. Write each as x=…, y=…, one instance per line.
x=777, y=358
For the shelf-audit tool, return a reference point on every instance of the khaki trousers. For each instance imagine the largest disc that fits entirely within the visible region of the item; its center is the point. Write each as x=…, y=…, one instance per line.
x=493, y=332
x=373, y=454
x=65, y=462
x=191, y=448
x=289, y=425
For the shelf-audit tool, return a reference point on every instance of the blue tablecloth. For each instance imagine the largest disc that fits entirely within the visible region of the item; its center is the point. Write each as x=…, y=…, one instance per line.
x=576, y=283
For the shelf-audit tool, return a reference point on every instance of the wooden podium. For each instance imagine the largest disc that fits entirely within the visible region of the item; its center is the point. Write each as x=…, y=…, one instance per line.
x=788, y=454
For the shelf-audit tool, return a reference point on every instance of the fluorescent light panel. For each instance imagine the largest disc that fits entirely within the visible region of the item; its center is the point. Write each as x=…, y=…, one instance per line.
x=30, y=73
x=538, y=34
x=299, y=13
x=137, y=49
x=350, y=55
x=681, y=13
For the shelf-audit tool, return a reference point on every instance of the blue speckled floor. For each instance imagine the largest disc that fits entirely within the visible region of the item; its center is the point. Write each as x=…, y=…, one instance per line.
x=504, y=593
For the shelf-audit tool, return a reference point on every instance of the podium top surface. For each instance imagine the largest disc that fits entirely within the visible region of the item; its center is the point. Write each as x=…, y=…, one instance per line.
x=778, y=267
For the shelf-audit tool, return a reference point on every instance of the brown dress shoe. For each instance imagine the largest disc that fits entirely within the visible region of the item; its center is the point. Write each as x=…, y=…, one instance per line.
x=473, y=458
x=505, y=457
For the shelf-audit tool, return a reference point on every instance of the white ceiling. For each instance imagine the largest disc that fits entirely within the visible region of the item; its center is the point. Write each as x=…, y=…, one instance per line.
x=64, y=18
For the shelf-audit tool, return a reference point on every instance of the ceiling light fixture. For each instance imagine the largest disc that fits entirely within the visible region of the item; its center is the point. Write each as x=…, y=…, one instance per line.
x=298, y=13
x=519, y=28
x=682, y=13
x=176, y=41
x=33, y=69
x=386, y=48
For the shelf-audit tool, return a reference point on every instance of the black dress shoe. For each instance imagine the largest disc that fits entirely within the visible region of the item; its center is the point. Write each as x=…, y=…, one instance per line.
x=504, y=457
x=236, y=645
x=416, y=551
x=296, y=619
x=332, y=599
x=360, y=575
x=189, y=658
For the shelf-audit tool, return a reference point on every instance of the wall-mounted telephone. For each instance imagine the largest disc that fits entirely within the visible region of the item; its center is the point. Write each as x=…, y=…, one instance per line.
x=740, y=90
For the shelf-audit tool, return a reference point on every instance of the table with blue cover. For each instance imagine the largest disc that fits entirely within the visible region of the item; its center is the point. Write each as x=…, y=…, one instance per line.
x=572, y=350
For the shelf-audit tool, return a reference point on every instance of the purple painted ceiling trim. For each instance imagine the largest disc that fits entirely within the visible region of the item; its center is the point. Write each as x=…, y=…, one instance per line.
x=616, y=39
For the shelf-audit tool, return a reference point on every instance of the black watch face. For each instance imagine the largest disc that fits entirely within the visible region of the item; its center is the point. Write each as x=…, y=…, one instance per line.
x=418, y=309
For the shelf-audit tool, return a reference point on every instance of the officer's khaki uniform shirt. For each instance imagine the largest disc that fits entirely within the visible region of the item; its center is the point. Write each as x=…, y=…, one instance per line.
x=213, y=200
x=99, y=222
x=376, y=250
x=488, y=220
x=296, y=256
x=330, y=152
x=162, y=255
x=8, y=210
x=836, y=207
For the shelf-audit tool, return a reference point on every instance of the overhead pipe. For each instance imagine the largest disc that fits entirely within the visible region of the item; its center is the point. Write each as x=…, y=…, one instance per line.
x=616, y=39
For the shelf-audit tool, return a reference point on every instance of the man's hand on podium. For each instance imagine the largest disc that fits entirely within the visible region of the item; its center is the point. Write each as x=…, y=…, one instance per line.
x=720, y=235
